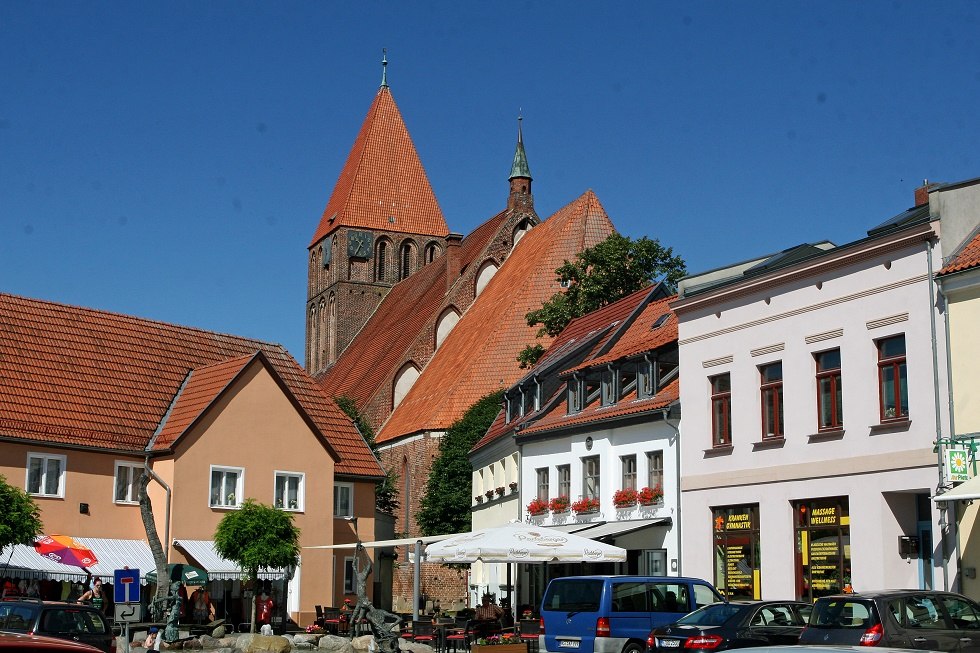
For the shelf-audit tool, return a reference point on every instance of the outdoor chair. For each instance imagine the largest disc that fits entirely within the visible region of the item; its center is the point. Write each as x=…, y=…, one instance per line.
x=529, y=631
x=423, y=631
x=319, y=617
x=460, y=637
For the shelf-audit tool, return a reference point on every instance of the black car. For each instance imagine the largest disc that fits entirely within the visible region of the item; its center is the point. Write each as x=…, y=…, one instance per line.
x=736, y=624
x=916, y=619
x=71, y=621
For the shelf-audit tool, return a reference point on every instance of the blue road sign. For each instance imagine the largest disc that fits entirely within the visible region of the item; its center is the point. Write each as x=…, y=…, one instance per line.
x=126, y=588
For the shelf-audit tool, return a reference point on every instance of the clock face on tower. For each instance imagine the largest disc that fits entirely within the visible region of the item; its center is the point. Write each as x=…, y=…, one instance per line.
x=359, y=244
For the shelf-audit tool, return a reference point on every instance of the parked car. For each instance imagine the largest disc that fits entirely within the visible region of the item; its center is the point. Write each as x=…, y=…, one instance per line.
x=799, y=648
x=24, y=643
x=69, y=621
x=615, y=614
x=736, y=624
x=908, y=619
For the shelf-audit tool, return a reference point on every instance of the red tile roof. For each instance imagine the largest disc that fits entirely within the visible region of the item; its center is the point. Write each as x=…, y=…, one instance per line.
x=382, y=345
x=480, y=353
x=87, y=377
x=383, y=178
x=968, y=257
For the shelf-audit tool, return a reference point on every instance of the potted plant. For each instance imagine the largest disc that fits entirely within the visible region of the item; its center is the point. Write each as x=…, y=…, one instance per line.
x=585, y=506
x=513, y=486
x=558, y=505
x=537, y=507
x=502, y=643
x=649, y=496
x=479, y=498
x=625, y=498
x=488, y=494
x=500, y=491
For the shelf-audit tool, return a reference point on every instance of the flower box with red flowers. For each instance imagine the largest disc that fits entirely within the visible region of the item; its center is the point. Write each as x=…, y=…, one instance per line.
x=585, y=506
x=625, y=498
x=537, y=507
x=650, y=496
x=558, y=505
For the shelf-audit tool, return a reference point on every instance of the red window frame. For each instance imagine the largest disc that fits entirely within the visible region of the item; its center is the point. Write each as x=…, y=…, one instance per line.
x=771, y=387
x=721, y=410
x=897, y=364
x=832, y=377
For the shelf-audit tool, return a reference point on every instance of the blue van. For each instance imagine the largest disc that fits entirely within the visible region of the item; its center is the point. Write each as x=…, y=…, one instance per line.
x=615, y=614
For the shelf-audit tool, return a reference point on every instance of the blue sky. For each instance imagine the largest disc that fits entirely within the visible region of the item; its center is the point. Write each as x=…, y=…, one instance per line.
x=171, y=159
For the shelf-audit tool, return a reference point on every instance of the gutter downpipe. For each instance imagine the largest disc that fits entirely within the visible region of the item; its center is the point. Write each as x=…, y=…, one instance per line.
x=677, y=465
x=166, y=526
x=939, y=424
x=417, y=581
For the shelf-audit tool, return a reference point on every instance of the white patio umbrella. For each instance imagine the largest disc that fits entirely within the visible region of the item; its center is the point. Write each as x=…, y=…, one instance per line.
x=518, y=542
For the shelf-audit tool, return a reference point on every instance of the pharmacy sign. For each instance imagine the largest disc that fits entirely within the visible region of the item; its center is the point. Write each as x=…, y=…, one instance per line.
x=956, y=466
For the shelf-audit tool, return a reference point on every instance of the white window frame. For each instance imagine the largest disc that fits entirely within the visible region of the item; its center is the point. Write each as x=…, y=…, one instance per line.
x=239, y=487
x=300, y=490
x=133, y=470
x=336, y=505
x=45, y=457
x=349, y=575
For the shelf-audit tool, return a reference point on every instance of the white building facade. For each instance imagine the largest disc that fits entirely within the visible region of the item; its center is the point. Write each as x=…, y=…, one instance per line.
x=813, y=387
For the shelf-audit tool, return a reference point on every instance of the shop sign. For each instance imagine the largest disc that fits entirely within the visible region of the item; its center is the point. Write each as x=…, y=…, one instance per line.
x=824, y=516
x=957, y=468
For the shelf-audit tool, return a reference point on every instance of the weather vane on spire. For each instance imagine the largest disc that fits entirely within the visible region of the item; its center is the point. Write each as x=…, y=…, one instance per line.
x=384, y=67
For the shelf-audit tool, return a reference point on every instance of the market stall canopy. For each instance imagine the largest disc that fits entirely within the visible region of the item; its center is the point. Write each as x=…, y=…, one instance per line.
x=966, y=491
x=186, y=574
x=24, y=561
x=518, y=542
x=207, y=557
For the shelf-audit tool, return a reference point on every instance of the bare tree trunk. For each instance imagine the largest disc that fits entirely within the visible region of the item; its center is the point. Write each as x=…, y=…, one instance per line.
x=254, y=575
x=156, y=548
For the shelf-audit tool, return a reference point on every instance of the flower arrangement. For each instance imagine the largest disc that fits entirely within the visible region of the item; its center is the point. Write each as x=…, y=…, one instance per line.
x=314, y=629
x=586, y=505
x=500, y=491
x=513, y=486
x=479, y=498
x=625, y=498
x=537, y=507
x=649, y=496
x=559, y=504
x=527, y=614
x=503, y=638
x=488, y=494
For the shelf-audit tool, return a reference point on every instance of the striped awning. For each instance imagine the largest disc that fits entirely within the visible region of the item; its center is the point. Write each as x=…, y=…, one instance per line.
x=23, y=561
x=206, y=556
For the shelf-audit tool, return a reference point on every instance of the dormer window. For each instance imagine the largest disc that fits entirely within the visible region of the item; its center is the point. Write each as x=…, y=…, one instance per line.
x=576, y=390
x=531, y=401
x=610, y=392
x=646, y=379
x=627, y=380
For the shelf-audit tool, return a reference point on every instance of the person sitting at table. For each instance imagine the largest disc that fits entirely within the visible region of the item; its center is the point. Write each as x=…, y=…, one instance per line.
x=489, y=611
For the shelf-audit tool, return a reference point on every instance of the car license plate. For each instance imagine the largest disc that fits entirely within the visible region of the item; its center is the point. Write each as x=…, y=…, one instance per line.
x=567, y=643
x=670, y=643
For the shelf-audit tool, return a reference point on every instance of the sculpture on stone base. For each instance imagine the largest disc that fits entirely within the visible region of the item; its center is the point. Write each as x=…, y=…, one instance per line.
x=381, y=622
x=171, y=608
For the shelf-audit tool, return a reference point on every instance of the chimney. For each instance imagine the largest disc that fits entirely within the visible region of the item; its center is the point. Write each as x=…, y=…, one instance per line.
x=922, y=192
x=453, y=241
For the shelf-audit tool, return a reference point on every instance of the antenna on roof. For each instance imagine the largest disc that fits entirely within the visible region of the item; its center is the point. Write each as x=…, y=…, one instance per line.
x=384, y=67
x=520, y=117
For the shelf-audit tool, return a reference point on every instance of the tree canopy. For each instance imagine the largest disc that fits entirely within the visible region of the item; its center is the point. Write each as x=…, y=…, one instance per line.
x=600, y=275
x=385, y=491
x=257, y=536
x=20, y=518
x=446, y=503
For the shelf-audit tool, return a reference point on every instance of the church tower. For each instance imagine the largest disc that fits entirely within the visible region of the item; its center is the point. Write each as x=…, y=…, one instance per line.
x=381, y=224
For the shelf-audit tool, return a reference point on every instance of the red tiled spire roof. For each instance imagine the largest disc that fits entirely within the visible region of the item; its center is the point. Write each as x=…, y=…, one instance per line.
x=405, y=311
x=480, y=353
x=968, y=257
x=382, y=179
x=91, y=378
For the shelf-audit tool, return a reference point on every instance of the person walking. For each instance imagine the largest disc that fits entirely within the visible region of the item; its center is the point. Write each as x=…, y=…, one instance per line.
x=94, y=596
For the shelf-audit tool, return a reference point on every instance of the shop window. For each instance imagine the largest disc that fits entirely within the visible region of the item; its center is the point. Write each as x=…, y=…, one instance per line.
x=823, y=562
x=542, y=478
x=46, y=474
x=892, y=379
x=772, y=400
x=721, y=410
x=830, y=407
x=737, y=552
x=227, y=484
x=289, y=490
x=127, y=482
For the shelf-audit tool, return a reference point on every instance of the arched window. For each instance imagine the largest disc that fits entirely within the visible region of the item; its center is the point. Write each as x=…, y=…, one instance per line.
x=404, y=380
x=483, y=276
x=432, y=252
x=447, y=320
x=381, y=261
x=521, y=231
x=323, y=334
x=406, y=259
x=312, y=363
x=332, y=328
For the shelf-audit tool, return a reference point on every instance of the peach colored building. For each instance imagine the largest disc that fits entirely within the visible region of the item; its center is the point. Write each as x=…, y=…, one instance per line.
x=88, y=397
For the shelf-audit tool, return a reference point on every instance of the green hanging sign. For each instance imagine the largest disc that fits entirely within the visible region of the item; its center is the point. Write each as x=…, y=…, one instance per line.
x=957, y=469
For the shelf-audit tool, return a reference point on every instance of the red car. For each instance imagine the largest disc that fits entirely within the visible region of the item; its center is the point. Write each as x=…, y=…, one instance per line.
x=23, y=643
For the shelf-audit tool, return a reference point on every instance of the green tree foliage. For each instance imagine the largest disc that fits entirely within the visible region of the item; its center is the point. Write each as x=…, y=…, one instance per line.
x=20, y=518
x=257, y=536
x=446, y=503
x=610, y=270
x=386, y=490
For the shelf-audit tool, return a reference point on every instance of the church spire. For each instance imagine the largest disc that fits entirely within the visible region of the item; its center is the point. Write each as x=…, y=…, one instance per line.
x=384, y=67
x=520, y=175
